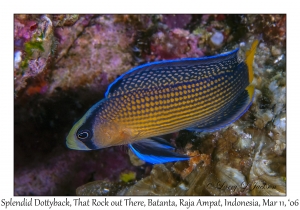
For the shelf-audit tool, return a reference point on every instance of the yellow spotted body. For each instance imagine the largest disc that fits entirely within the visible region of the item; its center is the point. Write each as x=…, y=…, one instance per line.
x=161, y=110
x=168, y=96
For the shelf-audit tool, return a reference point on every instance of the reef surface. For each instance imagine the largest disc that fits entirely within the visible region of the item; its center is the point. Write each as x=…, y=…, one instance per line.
x=63, y=65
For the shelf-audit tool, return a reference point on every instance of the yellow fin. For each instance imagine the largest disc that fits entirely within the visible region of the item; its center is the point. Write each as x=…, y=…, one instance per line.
x=250, y=90
x=127, y=177
x=249, y=59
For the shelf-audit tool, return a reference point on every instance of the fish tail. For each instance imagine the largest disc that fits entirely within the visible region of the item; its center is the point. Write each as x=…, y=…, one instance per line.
x=249, y=59
x=250, y=90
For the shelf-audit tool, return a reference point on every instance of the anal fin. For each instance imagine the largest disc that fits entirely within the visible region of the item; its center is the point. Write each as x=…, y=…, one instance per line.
x=156, y=151
x=230, y=115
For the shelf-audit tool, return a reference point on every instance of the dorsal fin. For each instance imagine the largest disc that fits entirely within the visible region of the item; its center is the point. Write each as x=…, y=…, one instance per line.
x=169, y=72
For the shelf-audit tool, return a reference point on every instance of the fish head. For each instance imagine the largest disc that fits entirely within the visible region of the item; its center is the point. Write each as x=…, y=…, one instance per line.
x=93, y=131
x=82, y=136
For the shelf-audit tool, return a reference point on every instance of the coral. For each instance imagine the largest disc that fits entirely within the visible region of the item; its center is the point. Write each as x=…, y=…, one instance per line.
x=64, y=20
x=176, y=43
x=34, y=43
x=193, y=162
x=176, y=21
x=272, y=27
x=155, y=184
x=214, y=32
x=67, y=35
x=99, y=188
x=241, y=165
x=264, y=180
x=162, y=181
x=140, y=22
x=97, y=51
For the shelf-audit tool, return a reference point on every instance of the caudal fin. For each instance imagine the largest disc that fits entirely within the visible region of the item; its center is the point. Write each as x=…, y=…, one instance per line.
x=249, y=59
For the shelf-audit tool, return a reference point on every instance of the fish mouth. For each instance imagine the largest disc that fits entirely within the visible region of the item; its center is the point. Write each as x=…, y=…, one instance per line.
x=74, y=144
x=70, y=146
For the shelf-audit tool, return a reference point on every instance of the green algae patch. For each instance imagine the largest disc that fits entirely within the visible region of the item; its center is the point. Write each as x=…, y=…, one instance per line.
x=33, y=45
x=127, y=177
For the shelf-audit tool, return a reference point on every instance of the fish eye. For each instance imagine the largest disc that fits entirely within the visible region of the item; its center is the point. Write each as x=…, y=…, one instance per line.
x=84, y=135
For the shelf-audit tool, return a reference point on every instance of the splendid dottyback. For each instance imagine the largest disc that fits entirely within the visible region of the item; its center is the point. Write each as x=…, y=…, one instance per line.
x=197, y=94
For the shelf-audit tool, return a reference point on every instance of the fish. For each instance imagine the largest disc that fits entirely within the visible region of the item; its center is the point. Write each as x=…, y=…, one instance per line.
x=162, y=97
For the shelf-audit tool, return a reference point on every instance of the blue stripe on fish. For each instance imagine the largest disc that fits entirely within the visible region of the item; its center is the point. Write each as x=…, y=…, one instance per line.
x=156, y=151
x=187, y=65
